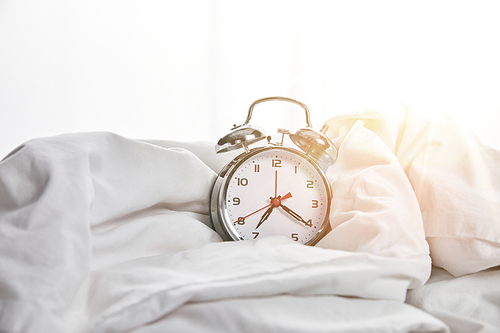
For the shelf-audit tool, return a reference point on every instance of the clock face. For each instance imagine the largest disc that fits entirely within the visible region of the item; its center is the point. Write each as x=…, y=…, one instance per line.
x=275, y=191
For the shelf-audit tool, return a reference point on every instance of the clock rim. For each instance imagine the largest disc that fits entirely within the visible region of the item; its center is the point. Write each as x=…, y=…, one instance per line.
x=217, y=198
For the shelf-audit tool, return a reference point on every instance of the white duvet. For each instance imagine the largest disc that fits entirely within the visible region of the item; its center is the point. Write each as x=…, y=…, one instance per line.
x=101, y=233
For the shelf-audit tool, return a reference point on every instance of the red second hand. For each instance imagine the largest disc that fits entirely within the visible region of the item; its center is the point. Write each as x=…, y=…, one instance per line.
x=286, y=196
x=242, y=218
x=276, y=184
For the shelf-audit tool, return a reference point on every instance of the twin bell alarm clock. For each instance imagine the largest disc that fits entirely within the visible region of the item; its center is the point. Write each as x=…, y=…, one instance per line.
x=272, y=189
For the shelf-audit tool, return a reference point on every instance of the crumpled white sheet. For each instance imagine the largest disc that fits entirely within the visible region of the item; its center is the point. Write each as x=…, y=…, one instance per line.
x=101, y=233
x=456, y=181
x=291, y=313
x=467, y=304
x=105, y=234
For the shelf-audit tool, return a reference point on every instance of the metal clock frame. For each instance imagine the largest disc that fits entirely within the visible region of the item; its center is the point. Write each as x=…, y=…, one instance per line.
x=218, y=207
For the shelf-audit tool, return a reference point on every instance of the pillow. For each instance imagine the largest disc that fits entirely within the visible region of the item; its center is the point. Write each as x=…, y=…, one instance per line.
x=457, y=183
x=374, y=208
x=455, y=179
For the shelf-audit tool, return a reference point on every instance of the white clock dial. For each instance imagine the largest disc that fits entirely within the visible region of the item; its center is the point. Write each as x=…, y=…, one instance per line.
x=275, y=191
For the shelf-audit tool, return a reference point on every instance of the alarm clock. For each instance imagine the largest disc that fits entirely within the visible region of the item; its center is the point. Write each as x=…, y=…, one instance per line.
x=272, y=189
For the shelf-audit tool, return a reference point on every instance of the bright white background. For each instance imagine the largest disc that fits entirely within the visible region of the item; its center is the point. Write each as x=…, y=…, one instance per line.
x=188, y=70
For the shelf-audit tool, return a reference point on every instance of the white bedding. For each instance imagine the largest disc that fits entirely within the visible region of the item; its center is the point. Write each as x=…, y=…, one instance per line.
x=101, y=233
x=470, y=303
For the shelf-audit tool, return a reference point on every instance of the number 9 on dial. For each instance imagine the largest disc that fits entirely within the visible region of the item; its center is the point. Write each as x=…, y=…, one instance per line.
x=273, y=190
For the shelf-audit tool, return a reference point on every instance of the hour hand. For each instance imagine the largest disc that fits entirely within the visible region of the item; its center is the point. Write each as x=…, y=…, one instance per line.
x=295, y=215
x=265, y=216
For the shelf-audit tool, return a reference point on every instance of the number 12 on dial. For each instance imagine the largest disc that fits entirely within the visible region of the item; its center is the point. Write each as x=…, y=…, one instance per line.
x=271, y=191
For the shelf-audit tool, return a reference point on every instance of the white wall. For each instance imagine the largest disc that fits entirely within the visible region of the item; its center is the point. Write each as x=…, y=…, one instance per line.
x=188, y=70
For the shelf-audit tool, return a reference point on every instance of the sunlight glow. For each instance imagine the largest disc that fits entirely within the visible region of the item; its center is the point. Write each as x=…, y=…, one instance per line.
x=189, y=70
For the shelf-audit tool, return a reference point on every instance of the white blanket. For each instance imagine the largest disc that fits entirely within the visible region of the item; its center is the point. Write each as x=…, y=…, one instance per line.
x=100, y=233
x=470, y=303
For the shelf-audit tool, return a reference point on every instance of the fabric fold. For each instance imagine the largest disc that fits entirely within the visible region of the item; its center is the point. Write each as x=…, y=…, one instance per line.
x=103, y=233
x=55, y=190
x=455, y=179
x=374, y=208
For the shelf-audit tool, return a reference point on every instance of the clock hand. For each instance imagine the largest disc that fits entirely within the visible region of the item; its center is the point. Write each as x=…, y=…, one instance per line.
x=295, y=215
x=275, y=202
x=265, y=216
x=276, y=184
x=258, y=210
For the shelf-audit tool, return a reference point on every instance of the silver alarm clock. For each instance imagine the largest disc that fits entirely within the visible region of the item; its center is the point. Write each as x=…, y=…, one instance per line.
x=273, y=190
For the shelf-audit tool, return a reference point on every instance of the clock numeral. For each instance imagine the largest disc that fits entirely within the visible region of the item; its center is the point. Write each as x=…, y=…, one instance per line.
x=310, y=184
x=256, y=168
x=315, y=204
x=255, y=234
x=295, y=237
x=276, y=163
x=240, y=221
x=309, y=223
x=236, y=201
x=242, y=181
x=296, y=169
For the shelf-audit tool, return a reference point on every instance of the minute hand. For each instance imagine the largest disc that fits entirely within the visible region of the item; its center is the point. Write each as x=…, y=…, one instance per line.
x=294, y=215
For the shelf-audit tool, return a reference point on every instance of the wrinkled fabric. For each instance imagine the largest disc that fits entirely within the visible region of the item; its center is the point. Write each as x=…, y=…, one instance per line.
x=466, y=304
x=455, y=178
x=374, y=208
x=101, y=233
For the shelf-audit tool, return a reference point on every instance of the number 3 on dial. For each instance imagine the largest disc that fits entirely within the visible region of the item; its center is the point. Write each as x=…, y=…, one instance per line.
x=274, y=191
